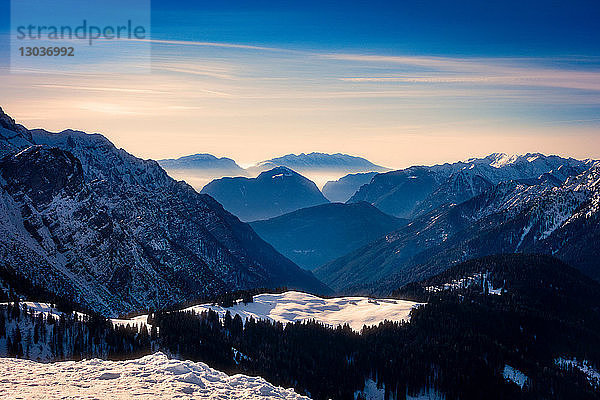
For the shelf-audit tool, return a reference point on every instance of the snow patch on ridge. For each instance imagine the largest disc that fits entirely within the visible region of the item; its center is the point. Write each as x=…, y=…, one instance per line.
x=515, y=376
x=481, y=279
x=297, y=306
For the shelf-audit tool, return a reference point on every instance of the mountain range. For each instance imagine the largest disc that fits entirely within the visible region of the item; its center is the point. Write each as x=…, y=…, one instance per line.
x=316, y=235
x=414, y=191
x=273, y=193
x=533, y=216
x=200, y=169
x=115, y=233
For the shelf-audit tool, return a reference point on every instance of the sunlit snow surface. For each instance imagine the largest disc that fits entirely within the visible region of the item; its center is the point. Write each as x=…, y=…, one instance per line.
x=297, y=306
x=151, y=377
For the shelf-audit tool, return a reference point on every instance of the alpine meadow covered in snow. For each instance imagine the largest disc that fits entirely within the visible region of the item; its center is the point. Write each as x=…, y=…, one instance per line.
x=274, y=200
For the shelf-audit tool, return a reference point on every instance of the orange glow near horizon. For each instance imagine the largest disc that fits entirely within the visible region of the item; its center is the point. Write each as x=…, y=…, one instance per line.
x=252, y=104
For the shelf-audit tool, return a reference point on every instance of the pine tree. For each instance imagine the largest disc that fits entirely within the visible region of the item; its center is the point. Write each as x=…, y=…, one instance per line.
x=2, y=324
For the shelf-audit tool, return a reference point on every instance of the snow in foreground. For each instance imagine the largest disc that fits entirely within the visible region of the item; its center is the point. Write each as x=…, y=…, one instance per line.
x=297, y=306
x=150, y=377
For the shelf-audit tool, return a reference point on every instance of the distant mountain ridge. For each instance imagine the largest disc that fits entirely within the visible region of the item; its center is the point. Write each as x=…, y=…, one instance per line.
x=315, y=161
x=202, y=162
x=313, y=236
x=273, y=193
x=115, y=233
x=200, y=169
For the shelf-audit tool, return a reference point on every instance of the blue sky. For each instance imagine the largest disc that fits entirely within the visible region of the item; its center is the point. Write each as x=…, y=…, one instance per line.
x=472, y=27
x=467, y=27
x=398, y=82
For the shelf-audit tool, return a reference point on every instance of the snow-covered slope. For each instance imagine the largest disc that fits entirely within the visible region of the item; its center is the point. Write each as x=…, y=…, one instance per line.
x=12, y=136
x=417, y=190
x=150, y=377
x=297, y=306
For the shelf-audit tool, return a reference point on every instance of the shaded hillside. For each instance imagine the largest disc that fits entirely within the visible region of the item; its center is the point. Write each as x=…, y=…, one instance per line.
x=345, y=187
x=313, y=236
x=273, y=193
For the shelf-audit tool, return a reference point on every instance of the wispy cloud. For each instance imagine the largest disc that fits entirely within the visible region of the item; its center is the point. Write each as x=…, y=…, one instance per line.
x=237, y=99
x=100, y=89
x=212, y=44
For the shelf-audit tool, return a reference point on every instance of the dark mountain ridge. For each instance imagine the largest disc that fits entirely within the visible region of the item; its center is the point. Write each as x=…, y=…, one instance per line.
x=313, y=236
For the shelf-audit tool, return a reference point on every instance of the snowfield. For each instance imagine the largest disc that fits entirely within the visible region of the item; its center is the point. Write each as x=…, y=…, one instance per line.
x=290, y=306
x=297, y=306
x=150, y=377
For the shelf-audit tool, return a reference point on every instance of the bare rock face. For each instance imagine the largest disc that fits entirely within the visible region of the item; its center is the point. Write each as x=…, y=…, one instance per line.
x=12, y=136
x=42, y=173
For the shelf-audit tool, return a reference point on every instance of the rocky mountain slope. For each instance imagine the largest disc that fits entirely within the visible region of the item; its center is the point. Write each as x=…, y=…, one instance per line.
x=510, y=217
x=115, y=233
x=273, y=193
x=316, y=235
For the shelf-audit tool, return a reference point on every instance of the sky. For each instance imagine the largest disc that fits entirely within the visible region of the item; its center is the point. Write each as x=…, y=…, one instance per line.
x=400, y=83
